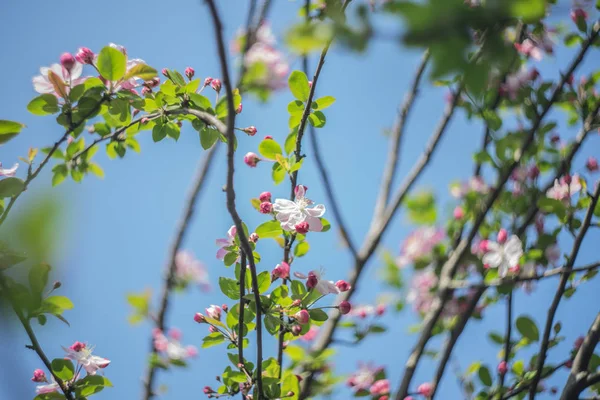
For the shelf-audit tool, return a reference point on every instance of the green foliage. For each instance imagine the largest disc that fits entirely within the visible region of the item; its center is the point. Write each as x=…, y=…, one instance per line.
x=64, y=369
x=298, y=83
x=10, y=187
x=45, y=104
x=111, y=64
x=270, y=149
x=9, y=129
x=269, y=229
x=229, y=287
x=528, y=329
x=421, y=208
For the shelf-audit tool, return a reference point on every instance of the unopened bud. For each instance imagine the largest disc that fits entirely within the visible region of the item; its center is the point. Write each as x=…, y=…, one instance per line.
x=67, y=61
x=189, y=72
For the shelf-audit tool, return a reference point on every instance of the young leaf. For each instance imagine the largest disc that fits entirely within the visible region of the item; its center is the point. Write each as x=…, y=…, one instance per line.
x=527, y=327
x=9, y=129
x=269, y=148
x=10, y=187
x=63, y=369
x=269, y=229
x=111, y=64
x=44, y=104
x=298, y=83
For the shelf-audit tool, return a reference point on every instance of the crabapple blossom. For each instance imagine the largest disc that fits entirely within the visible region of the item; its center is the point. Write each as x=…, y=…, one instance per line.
x=214, y=312
x=380, y=387
x=311, y=334
x=364, y=377
x=321, y=285
x=302, y=317
x=578, y=15
x=239, y=109
x=458, y=213
x=199, y=318
x=9, y=172
x=265, y=196
x=281, y=271
x=474, y=184
x=227, y=242
x=345, y=307
x=302, y=228
x=82, y=354
x=48, y=388
x=425, y=389
x=343, y=286
x=502, y=367
x=39, y=376
x=502, y=236
x=564, y=188
x=503, y=255
x=171, y=347
x=592, y=164
x=419, y=244
x=67, y=61
x=268, y=137
x=266, y=207
x=251, y=159
x=189, y=72
x=215, y=84
x=70, y=78
x=188, y=269
x=85, y=56
x=292, y=213
x=253, y=237
x=250, y=131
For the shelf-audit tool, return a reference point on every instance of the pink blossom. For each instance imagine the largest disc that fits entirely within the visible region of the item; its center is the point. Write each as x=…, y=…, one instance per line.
x=189, y=72
x=345, y=307
x=265, y=196
x=250, y=131
x=70, y=78
x=9, y=172
x=189, y=269
x=227, y=242
x=592, y=164
x=302, y=317
x=214, y=312
x=503, y=255
x=502, y=236
x=380, y=387
x=239, y=109
x=85, y=56
x=421, y=293
x=48, y=388
x=82, y=354
x=310, y=334
x=281, y=271
x=67, y=61
x=292, y=213
x=317, y=282
x=364, y=377
x=578, y=15
x=199, y=318
x=208, y=81
x=251, y=159
x=343, y=286
x=302, y=228
x=564, y=188
x=216, y=85
x=425, y=389
x=39, y=376
x=171, y=346
x=253, y=237
x=419, y=244
x=529, y=49
x=502, y=367
x=266, y=207
x=458, y=213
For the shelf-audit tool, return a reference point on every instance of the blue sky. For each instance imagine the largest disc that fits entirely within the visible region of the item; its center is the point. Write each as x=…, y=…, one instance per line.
x=116, y=231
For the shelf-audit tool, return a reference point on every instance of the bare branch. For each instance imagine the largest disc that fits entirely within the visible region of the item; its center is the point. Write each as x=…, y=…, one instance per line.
x=560, y=291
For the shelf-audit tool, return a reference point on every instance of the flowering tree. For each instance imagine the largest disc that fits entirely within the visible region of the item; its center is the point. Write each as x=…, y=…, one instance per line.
x=521, y=217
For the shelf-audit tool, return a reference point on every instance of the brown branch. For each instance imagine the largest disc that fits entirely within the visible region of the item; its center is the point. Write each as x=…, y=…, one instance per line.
x=35, y=344
x=182, y=228
x=560, y=291
x=522, y=388
x=507, y=339
x=32, y=175
x=450, y=266
x=245, y=244
x=519, y=279
x=457, y=330
x=391, y=165
x=579, y=377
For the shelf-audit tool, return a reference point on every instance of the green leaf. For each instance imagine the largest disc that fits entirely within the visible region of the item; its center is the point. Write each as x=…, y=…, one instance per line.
x=290, y=142
x=111, y=64
x=421, y=208
x=208, y=137
x=317, y=119
x=298, y=289
x=264, y=281
x=269, y=148
x=141, y=71
x=322, y=102
x=229, y=287
x=63, y=369
x=213, y=339
x=269, y=229
x=10, y=187
x=159, y=132
x=296, y=107
x=326, y=225
x=38, y=278
x=318, y=315
x=552, y=206
x=298, y=83
x=200, y=101
x=528, y=10
x=492, y=119
x=60, y=302
x=44, y=104
x=301, y=249
x=527, y=327
x=9, y=129
x=60, y=174
x=484, y=375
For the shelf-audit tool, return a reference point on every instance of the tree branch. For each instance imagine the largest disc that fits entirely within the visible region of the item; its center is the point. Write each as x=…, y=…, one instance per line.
x=560, y=291
x=186, y=218
x=230, y=134
x=35, y=344
x=523, y=388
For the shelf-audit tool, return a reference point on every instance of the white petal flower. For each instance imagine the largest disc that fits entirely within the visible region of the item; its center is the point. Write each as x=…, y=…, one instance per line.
x=504, y=256
x=291, y=213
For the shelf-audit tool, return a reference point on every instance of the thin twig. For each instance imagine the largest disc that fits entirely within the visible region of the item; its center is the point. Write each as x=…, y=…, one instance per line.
x=560, y=291
x=522, y=388
x=507, y=339
x=35, y=345
x=453, y=338
x=245, y=244
x=182, y=228
x=391, y=164
x=450, y=266
x=57, y=144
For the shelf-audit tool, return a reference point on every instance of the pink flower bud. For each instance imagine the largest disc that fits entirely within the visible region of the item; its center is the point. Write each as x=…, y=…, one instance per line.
x=251, y=130
x=154, y=82
x=312, y=280
x=165, y=72
x=175, y=333
x=296, y=303
x=502, y=367
x=578, y=15
x=567, y=179
x=484, y=246
x=310, y=84
x=251, y=159
x=39, y=376
x=281, y=271
x=265, y=196
x=146, y=90
x=458, y=213
x=239, y=108
x=254, y=237
x=207, y=81
x=578, y=342
x=302, y=317
x=425, y=389
x=268, y=137
x=207, y=390
x=212, y=329
x=77, y=346
x=191, y=351
x=343, y=285
x=302, y=228
x=215, y=84
x=67, y=61
x=225, y=307
x=592, y=164
x=502, y=236
x=199, y=318
x=297, y=189
x=296, y=330
x=214, y=312
x=266, y=207
x=380, y=310
x=189, y=72
x=345, y=307
x=85, y=56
